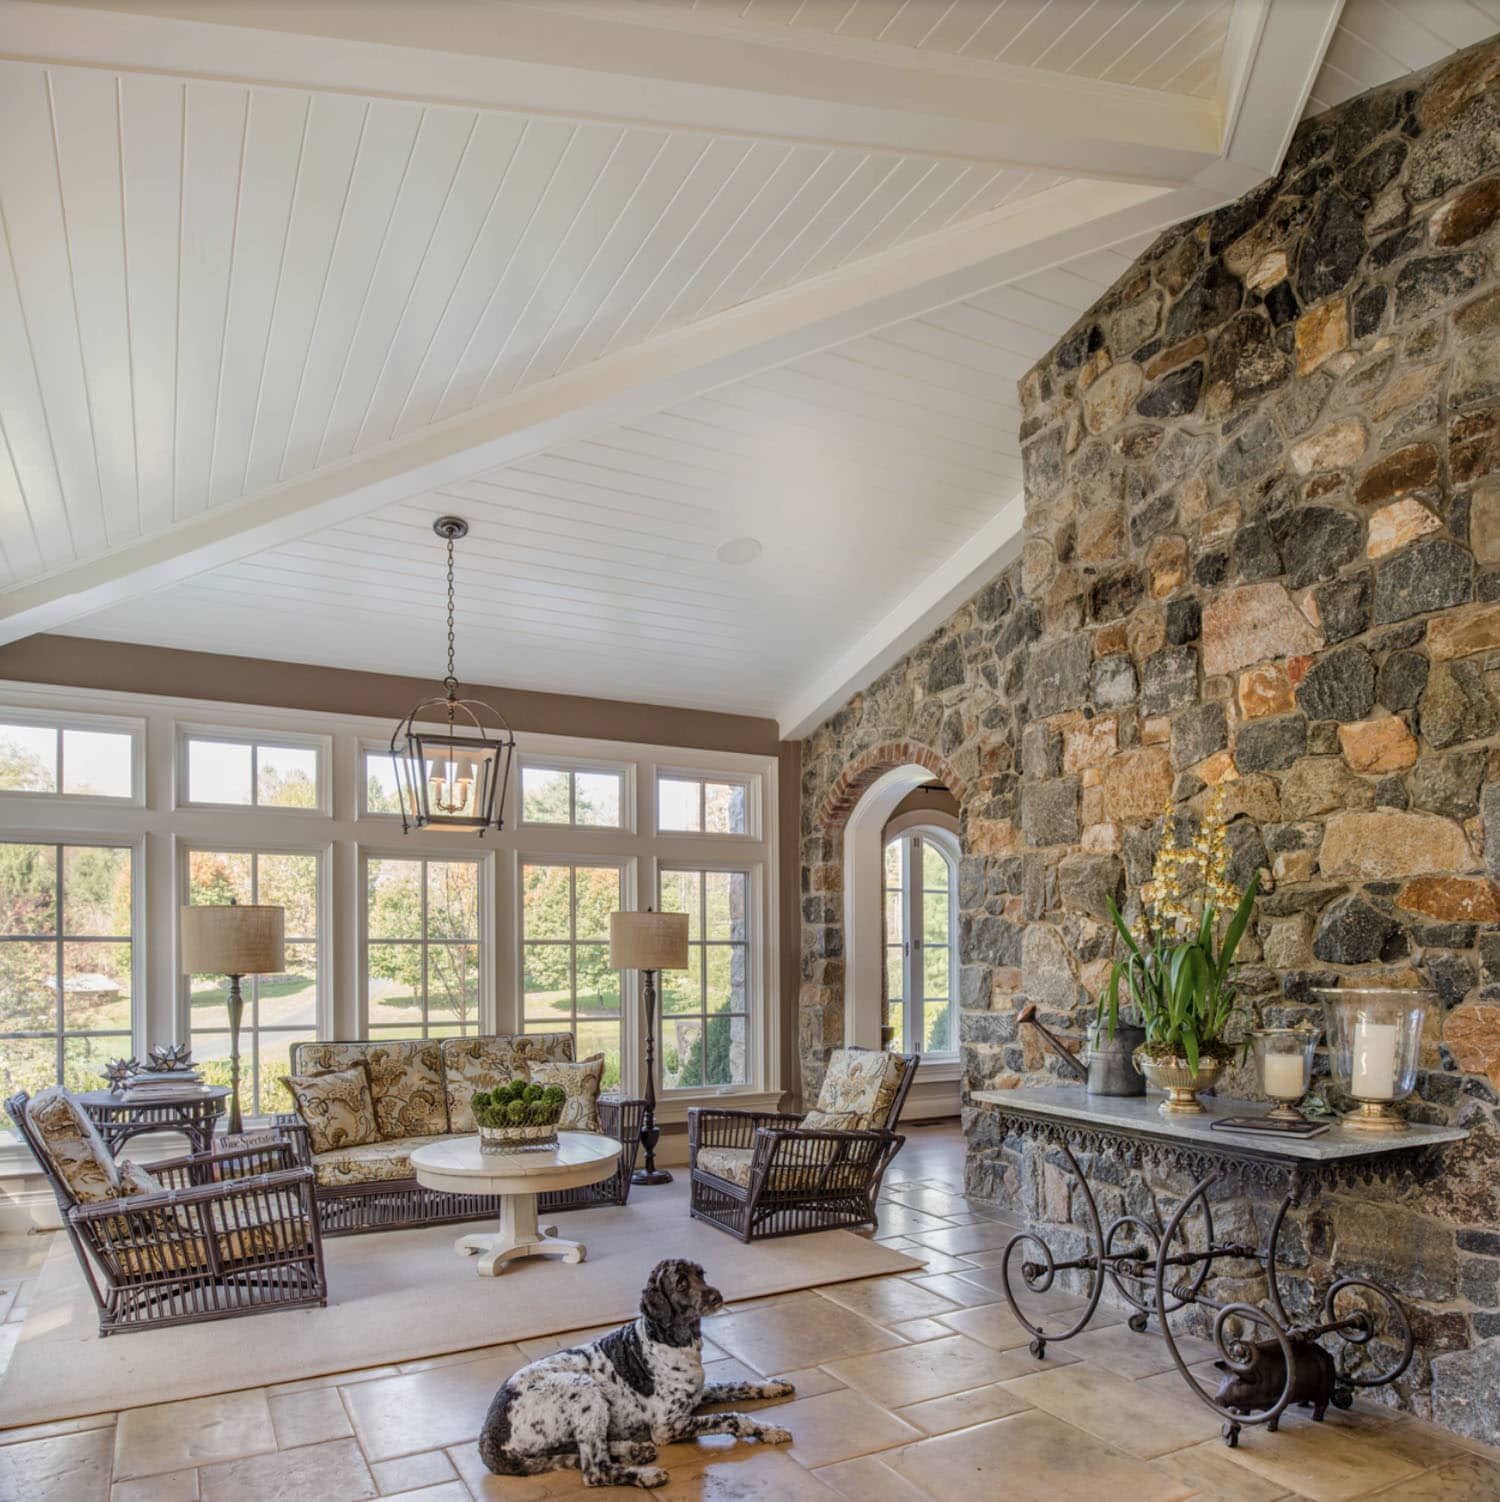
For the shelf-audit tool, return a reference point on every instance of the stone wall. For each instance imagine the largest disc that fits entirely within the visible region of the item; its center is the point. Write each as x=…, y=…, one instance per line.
x=1262, y=552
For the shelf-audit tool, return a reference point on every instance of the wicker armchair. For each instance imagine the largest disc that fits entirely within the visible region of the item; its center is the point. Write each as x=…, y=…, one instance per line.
x=759, y=1174
x=229, y=1232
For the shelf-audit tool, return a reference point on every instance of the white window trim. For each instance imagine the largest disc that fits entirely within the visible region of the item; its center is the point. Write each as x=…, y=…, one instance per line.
x=183, y=847
x=156, y=825
x=625, y=770
x=485, y=939
x=230, y=735
x=925, y=826
x=131, y=725
x=761, y=1033
x=754, y=811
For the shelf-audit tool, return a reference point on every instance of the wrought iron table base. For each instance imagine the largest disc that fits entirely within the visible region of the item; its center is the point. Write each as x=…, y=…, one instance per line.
x=1154, y=1278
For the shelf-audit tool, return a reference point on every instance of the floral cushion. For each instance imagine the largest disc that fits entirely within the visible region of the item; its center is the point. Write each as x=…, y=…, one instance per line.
x=471, y=1064
x=831, y=1121
x=406, y=1080
x=369, y=1162
x=336, y=1106
x=733, y=1165
x=242, y=1231
x=581, y=1083
x=860, y=1083
x=73, y=1146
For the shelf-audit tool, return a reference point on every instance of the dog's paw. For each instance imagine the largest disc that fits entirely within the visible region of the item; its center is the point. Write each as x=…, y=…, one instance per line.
x=649, y=1476
x=769, y=1434
x=779, y=1389
x=642, y=1452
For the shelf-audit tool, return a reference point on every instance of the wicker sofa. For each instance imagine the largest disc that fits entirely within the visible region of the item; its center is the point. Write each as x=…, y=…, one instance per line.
x=421, y=1091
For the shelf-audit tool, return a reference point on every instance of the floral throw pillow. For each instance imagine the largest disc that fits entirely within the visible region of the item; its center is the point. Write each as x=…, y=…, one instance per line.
x=336, y=1105
x=73, y=1145
x=581, y=1083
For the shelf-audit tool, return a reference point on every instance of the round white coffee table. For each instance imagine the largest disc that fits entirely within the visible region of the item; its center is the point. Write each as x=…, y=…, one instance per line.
x=458, y=1167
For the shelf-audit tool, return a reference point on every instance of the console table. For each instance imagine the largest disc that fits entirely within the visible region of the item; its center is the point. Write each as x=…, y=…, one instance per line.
x=1158, y=1271
x=194, y=1113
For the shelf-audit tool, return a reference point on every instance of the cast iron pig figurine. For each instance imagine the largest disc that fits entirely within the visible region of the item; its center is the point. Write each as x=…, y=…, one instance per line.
x=1313, y=1379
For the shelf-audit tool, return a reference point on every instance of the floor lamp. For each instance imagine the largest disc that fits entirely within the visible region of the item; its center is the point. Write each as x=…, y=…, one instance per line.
x=234, y=940
x=649, y=942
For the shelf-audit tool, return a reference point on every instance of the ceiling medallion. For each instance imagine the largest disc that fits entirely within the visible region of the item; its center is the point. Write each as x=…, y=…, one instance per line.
x=452, y=756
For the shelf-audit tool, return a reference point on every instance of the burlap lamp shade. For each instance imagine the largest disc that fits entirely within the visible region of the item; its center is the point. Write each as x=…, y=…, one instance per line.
x=648, y=941
x=233, y=940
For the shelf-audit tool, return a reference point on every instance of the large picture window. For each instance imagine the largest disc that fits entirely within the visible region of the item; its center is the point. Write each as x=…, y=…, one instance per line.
x=279, y=1009
x=422, y=950
x=705, y=1025
x=921, y=887
x=65, y=963
x=567, y=984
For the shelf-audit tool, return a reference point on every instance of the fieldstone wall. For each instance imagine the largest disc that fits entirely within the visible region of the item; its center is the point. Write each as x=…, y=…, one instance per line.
x=1262, y=552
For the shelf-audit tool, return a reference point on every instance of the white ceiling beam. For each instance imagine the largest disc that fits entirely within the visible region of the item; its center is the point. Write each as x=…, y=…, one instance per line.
x=605, y=65
x=845, y=304
x=994, y=547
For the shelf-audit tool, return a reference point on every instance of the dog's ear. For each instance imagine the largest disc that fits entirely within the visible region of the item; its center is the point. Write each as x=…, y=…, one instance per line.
x=656, y=1298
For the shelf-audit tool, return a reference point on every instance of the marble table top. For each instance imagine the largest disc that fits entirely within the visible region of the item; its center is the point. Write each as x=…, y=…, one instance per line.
x=1139, y=1116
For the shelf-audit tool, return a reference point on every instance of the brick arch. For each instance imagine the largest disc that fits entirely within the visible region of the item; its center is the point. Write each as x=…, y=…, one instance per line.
x=866, y=768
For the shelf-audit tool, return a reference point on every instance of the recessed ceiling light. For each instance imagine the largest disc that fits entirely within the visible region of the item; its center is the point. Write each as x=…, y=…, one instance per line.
x=739, y=550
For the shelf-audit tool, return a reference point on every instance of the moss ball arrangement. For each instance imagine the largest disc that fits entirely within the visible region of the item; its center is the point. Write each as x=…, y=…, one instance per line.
x=519, y=1109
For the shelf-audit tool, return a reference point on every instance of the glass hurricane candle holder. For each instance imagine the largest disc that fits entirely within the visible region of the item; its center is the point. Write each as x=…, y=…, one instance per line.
x=1374, y=1041
x=1284, y=1057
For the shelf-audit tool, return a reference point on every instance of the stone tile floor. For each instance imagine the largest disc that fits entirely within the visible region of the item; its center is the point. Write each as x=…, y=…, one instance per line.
x=908, y=1388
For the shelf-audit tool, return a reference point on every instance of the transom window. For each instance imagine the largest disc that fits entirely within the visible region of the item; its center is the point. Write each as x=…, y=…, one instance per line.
x=422, y=952
x=567, y=984
x=279, y=1009
x=921, y=891
x=701, y=805
x=65, y=760
x=241, y=773
x=572, y=795
x=65, y=963
x=705, y=1008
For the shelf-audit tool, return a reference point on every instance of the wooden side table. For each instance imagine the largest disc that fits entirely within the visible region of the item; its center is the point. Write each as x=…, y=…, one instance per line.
x=1158, y=1270
x=195, y=1113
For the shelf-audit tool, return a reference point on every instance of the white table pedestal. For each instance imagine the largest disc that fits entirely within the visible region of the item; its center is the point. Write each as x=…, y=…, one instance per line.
x=455, y=1165
x=519, y=1236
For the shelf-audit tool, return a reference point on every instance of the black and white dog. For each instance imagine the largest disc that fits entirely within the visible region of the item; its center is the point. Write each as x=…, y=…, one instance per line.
x=603, y=1408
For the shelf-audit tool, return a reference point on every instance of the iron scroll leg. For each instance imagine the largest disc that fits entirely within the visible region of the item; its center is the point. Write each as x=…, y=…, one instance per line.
x=1038, y=1276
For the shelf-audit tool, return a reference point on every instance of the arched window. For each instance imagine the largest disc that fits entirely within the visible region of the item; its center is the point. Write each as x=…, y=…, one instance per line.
x=921, y=942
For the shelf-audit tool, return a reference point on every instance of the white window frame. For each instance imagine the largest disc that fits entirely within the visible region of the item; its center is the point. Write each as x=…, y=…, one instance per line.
x=133, y=1044
x=183, y=849
x=129, y=725
x=574, y=764
x=754, y=813
x=946, y=842
x=484, y=940
x=629, y=1011
x=226, y=735
x=756, y=994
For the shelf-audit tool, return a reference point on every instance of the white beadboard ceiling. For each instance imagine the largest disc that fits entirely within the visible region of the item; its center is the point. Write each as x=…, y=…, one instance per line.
x=1171, y=45
x=618, y=283
x=1378, y=40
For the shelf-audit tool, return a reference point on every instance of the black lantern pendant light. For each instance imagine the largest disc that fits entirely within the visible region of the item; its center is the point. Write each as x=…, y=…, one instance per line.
x=453, y=776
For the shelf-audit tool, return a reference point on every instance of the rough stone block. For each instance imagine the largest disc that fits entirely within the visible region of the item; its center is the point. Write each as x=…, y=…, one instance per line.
x=1254, y=623
x=1387, y=845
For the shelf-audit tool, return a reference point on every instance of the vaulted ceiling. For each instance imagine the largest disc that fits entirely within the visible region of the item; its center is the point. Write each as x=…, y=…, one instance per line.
x=619, y=281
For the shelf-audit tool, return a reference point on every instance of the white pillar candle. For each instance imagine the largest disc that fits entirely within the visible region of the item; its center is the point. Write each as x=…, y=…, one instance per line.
x=1373, y=1076
x=1283, y=1075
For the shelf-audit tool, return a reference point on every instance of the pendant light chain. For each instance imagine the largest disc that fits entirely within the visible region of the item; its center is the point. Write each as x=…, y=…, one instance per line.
x=451, y=681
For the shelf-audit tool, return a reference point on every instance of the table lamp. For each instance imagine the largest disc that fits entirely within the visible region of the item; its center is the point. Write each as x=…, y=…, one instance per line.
x=649, y=942
x=233, y=940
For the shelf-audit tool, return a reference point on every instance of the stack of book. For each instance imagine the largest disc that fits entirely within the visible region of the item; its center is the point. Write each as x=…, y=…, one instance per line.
x=158, y=1084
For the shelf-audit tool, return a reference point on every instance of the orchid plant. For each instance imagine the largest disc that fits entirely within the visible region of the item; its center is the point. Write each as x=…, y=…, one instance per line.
x=1178, y=967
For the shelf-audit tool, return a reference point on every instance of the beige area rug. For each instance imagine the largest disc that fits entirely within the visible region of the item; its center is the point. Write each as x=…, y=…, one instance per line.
x=400, y=1296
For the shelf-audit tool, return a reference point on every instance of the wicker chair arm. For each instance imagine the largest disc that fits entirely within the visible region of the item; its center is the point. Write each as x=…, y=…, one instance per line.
x=246, y=1162
x=294, y=1129
x=827, y=1152
x=615, y=1112
x=194, y=1194
x=714, y=1126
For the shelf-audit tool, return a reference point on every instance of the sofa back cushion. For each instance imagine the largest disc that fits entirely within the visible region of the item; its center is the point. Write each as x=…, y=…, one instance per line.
x=336, y=1106
x=406, y=1080
x=471, y=1064
x=75, y=1151
x=858, y=1090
